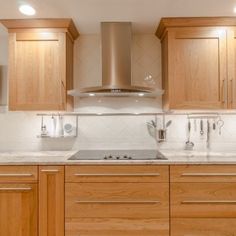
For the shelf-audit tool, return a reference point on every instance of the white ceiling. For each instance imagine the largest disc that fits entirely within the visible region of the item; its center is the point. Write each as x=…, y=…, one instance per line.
x=145, y=14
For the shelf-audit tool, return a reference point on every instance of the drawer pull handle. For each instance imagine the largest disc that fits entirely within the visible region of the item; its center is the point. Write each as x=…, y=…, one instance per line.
x=209, y=174
x=50, y=171
x=114, y=175
x=15, y=189
x=209, y=202
x=117, y=202
x=16, y=175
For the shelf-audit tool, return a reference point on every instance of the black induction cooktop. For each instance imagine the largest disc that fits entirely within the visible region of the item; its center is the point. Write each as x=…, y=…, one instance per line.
x=118, y=155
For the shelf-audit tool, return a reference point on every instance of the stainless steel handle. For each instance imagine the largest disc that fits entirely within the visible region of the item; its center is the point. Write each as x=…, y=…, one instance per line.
x=209, y=202
x=223, y=91
x=63, y=91
x=50, y=171
x=15, y=189
x=116, y=202
x=232, y=92
x=113, y=175
x=209, y=174
x=15, y=175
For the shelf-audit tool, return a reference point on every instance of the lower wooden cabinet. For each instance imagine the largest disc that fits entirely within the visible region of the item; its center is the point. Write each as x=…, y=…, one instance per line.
x=203, y=200
x=18, y=210
x=82, y=201
x=136, y=203
x=51, y=201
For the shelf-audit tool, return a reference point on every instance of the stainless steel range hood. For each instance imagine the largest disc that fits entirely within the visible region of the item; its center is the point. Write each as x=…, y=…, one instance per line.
x=116, y=40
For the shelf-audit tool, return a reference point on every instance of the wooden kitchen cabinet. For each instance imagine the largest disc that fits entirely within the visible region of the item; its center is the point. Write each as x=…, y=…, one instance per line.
x=198, y=62
x=203, y=200
x=40, y=63
x=51, y=201
x=18, y=201
x=117, y=200
x=231, y=42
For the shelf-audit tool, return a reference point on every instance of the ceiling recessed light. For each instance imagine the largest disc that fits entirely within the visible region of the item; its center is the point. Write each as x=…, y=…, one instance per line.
x=27, y=10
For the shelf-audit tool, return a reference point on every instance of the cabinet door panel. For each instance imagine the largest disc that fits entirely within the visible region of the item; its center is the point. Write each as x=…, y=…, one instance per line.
x=231, y=42
x=197, y=68
x=124, y=200
x=36, y=72
x=18, y=209
x=18, y=174
x=117, y=227
x=51, y=201
x=203, y=174
x=203, y=227
x=203, y=200
x=117, y=173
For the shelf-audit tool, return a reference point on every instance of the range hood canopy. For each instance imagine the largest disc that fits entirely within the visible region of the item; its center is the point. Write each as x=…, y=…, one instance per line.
x=116, y=40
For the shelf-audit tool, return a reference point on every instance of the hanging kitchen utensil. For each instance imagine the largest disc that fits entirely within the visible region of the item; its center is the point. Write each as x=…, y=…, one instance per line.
x=220, y=124
x=208, y=134
x=195, y=125
x=214, y=125
x=189, y=145
x=201, y=128
x=168, y=123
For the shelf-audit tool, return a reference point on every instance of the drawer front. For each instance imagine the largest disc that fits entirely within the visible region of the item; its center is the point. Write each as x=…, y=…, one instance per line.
x=203, y=200
x=116, y=227
x=203, y=173
x=121, y=200
x=117, y=173
x=203, y=227
x=18, y=174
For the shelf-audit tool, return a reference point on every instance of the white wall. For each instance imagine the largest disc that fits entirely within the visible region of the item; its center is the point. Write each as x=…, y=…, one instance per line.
x=18, y=130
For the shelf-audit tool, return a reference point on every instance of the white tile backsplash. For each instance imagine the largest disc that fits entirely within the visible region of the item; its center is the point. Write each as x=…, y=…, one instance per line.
x=18, y=130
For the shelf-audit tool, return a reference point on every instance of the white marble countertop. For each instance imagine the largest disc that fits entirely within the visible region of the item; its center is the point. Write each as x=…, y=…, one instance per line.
x=61, y=158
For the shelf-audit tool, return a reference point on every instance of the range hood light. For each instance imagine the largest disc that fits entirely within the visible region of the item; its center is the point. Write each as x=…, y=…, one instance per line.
x=92, y=94
x=141, y=94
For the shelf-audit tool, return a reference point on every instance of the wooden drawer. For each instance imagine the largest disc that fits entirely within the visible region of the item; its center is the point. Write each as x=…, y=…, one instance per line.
x=116, y=173
x=203, y=173
x=18, y=174
x=203, y=227
x=121, y=200
x=117, y=227
x=203, y=200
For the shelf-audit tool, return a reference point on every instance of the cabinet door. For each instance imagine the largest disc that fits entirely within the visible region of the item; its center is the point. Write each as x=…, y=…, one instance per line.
x=51, y=201
x=197, y=68
x=18, y=209
x=231, y=43
x=37, y=71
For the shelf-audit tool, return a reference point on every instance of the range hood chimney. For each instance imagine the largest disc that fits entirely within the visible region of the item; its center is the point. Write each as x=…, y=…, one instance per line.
x=116, y=40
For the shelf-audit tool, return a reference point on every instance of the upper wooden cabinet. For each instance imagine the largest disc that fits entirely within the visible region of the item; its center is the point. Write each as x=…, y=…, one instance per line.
x=199, y=62
x=40, y=63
